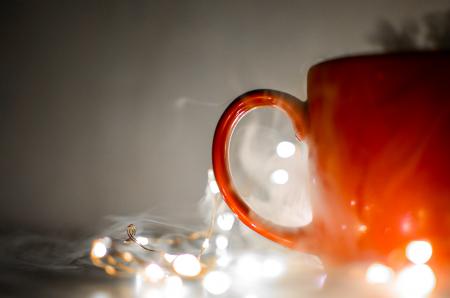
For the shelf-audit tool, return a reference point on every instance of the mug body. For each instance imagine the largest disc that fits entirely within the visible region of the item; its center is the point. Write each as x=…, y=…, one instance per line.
x=379, y=140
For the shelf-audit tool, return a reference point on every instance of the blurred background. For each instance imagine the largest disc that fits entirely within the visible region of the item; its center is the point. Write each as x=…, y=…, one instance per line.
x=108, y=108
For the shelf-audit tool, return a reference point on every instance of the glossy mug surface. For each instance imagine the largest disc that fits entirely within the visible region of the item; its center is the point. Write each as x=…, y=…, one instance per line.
x=378, y=132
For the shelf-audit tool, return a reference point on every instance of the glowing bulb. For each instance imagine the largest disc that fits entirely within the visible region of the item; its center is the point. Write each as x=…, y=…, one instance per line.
x=416, y=281
x=249, y=268
x=154, y=272
x=225, y=221
x=285, y=149
x=272, y=268
x=173, y=286
x=142, y=240
x=221, y=242
x=217, y=282
x=379, y=274
x=99, y=249
x=419, y=252
x=187, y=265
x=279, y=176
x=214, y=187
x=127, y=257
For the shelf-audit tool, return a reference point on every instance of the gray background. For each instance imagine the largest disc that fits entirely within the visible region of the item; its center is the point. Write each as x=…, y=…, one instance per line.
x=110, y=107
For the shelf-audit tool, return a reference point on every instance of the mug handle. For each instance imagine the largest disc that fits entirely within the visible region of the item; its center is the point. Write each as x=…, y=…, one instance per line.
x=296, y=111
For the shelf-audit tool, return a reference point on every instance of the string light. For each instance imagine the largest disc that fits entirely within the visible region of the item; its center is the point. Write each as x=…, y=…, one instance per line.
x=165, y=270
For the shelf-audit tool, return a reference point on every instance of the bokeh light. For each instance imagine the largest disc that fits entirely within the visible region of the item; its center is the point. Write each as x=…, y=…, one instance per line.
x=419, y=252
x=379, y=274
x=415, y=281
x=225, y=221
x=154, y=272
x=221, y=242
x=285, y=149
x=187, y=265
x=279, y=176
x=99, y=249
x=174, y=287
x=142, y=240
x=217, y=282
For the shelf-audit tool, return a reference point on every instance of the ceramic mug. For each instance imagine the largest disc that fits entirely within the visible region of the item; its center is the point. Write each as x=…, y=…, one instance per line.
x=378, y=132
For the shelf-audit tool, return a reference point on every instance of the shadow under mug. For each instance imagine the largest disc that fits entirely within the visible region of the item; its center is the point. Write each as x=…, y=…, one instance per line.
x=378, y=133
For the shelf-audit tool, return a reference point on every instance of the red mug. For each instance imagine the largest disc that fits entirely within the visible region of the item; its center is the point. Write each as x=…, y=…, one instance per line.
x=378, y=132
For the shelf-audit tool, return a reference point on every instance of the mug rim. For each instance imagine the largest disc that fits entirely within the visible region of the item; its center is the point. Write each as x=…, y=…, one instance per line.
x=369, y=57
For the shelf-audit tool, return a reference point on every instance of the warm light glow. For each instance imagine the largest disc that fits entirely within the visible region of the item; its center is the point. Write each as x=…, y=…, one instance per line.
x=419, y=252
x=225, y=221
x=173, y=287
x=285, y=149
x=217, y=282
x=416, y=281
x=379, y=274
x=142, y=240
x=362, y=228
x=154, y=272
x=279, y=176
x=99, y=249
x=272, y=268
x=221, y=242
x=214, y=187
x=249, y=268
x=127, y=256
x=187, y=265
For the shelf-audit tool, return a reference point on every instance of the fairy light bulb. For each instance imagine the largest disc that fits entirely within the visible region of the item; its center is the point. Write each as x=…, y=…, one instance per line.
x=173, y=287
x=142, y=240
x=279, y=176
x=187, y=265
x=221, y=242
x=379, y=274
x=285, y=149
x=217, y=282
x=99, y=249
x=154, y=272
x=419, y=252
x=416, y=281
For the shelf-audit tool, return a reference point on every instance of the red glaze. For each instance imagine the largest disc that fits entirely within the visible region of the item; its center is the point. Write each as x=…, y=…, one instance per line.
x=378, y=131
